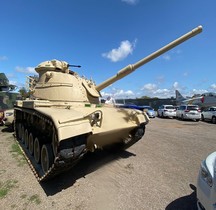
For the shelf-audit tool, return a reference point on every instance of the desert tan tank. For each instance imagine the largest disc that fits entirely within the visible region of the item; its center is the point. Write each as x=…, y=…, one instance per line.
x=65, y=119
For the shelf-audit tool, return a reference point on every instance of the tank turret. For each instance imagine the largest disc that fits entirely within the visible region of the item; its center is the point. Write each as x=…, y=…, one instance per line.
x=64, y=119
x=58, y=83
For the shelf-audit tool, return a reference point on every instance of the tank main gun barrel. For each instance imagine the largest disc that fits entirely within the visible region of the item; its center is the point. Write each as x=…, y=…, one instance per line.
x=132, y=67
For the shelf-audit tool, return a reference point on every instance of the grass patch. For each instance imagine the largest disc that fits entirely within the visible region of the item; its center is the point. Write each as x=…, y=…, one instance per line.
x=16, y=149
x=13, y=206
x=17, y=154
x=5, y=187
x=35, y=199
x=23, y=196
x=2, y=171
x=30, y=199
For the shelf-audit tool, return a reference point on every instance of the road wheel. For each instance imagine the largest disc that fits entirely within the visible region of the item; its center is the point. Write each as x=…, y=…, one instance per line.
x=19, y=131
x=31, y=144
x=214, y=119
x=162, y=115
x=22, y=134
x=37, y=150
x=47, y=157
x=26, y=138
x=54, y=144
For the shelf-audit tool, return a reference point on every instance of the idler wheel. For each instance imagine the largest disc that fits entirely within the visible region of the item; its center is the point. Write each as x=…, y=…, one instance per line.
x=47, y=157
x=37, y=150
x=31, y=144
x=26, y=138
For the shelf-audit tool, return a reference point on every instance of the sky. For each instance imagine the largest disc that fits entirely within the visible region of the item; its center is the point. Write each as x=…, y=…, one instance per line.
x=105, y=36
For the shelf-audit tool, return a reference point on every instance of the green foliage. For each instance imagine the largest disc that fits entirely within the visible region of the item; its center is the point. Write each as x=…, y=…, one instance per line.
x=17, y=154
x=30, y=199
x=24, y=93
x=5, y=187
x=35, y=199
x=147, y=97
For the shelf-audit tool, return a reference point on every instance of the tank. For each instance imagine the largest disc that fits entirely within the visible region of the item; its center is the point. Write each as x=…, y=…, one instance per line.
x=7, y=100
x=64, y=119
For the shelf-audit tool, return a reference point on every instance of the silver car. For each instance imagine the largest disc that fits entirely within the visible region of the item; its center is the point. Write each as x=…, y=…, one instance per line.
x=190, y=112
x=167, y=111
x=149, y=110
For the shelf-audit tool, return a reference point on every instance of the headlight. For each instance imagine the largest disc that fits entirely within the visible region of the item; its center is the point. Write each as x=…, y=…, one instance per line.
x=205, y=174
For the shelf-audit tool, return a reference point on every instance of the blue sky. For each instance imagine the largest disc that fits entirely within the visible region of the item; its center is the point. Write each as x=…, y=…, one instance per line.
x=104, y=36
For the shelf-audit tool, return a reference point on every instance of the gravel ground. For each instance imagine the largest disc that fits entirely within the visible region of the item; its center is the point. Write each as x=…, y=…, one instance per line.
x=158, y=172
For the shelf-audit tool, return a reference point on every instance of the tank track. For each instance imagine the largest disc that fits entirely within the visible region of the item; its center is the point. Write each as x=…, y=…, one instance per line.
x=65, y=158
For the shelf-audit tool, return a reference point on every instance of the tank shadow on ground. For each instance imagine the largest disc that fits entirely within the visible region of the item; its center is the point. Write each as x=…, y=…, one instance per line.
x=187, y=202
x=90, y=163
x=7, y=129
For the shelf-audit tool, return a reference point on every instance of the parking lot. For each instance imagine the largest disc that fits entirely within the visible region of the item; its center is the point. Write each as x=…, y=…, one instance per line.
x=158, y=172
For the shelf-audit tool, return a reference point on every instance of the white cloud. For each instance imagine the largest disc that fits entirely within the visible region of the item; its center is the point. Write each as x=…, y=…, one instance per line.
x=197, y=91
x=176, y=85
x=160, y=79
x=152, y=90
x=26, y=70
x=131, y=2
x=118, y=94
x=121, y=52
x=3, y=58
x=166, y=57
x=13, y=82
x=10, y=75
x=149, y=87
x=178, y=51
x=213, y=87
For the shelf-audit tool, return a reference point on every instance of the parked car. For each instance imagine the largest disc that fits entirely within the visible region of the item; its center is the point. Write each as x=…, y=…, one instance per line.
x=130, y=106
x=191, y=112
x=8, y=119
x=206, y=184
x=149, y=110
x=167, y=111
x=209, y=114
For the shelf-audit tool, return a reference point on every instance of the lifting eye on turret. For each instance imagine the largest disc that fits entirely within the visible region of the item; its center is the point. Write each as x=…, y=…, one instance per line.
x=49, y=75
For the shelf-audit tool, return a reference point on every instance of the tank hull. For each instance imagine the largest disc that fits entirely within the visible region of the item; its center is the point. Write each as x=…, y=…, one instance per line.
x=64, y=134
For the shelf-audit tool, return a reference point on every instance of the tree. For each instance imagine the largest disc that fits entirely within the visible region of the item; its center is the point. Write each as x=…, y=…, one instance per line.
x=24, y=94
